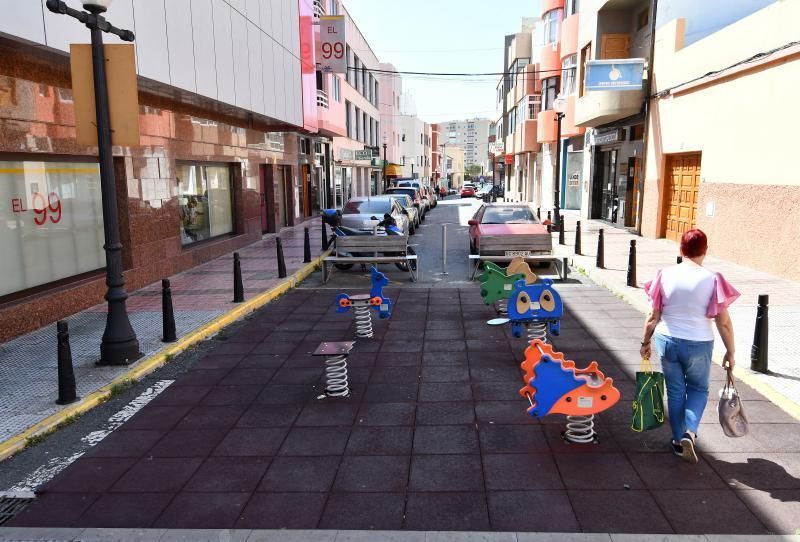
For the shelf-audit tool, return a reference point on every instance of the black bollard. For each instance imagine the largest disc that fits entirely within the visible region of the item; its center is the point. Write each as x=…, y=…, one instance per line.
x=238, y=287
x=66, y=375
x=306, y=247
x=324, y=237
x=680, y=259
x=167, y=313
x=760, y=348
x=632, y=264
x=601, y=251
x=549, y=216
x=281, y=263
x=561, y=230
x=539, y=213
x=578, y=238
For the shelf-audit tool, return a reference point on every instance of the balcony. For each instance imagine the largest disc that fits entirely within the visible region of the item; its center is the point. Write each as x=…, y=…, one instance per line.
x=546, y=129
x=322, y=98
x=319, y=9
x=599, y=107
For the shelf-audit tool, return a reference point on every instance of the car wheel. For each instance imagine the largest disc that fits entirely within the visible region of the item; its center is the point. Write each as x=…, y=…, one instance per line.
x=412, y=229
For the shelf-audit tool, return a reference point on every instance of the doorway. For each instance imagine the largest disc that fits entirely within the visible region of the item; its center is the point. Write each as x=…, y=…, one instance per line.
x=683, y=176
x=286, y=206
x=305, y=190
x=267, y=192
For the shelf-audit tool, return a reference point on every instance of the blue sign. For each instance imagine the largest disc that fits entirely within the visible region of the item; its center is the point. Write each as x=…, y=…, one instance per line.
x=617, y=74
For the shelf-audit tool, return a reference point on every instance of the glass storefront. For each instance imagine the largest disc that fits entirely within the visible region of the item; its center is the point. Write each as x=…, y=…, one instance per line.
x=52, y=222
x=205, y=201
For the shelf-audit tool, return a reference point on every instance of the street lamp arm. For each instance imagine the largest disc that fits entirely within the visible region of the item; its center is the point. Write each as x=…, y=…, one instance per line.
x=92, y=20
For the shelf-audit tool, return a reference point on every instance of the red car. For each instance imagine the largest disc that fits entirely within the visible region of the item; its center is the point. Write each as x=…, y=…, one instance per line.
x=467, y=192
x=499, y=219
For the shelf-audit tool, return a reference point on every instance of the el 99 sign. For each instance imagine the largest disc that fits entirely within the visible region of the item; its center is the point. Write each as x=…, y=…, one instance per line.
x=332, y=50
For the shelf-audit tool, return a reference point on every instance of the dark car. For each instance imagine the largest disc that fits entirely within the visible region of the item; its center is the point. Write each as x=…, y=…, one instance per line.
x=416, y=197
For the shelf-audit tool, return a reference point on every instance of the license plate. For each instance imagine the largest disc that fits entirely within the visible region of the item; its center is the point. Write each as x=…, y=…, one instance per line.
x=516, y=253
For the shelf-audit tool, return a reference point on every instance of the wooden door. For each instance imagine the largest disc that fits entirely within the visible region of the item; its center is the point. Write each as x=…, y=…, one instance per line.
x=683, y=173
x=305, y=190
x=614, y=46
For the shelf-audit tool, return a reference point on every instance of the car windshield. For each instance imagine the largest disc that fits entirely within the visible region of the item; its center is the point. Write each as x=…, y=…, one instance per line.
x=405, y=191
x=402, y=200
x=508, y=215
x=368, y=206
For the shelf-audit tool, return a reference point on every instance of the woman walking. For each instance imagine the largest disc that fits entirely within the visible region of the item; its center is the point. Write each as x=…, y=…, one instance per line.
x=685, y=299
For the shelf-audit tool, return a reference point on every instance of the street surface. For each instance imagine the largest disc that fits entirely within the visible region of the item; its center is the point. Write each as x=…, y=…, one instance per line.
x=435, y=436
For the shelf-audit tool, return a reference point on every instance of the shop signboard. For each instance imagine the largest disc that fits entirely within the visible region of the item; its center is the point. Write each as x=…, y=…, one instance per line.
x=602, y=138
x=363, y=154
x=614, y=74
x=331, y=48
x=345, y=154
x=509, y=159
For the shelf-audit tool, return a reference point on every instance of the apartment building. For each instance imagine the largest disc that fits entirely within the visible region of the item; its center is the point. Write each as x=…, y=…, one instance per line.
x=454, y=167
x=226, y=116
x=472, y=135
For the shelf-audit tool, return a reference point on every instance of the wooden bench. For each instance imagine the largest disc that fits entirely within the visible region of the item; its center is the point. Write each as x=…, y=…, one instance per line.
x=375, y=245
x=496, y=248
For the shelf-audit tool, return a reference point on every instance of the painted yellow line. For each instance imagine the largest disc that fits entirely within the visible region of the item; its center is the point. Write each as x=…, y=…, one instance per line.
x=150, y=364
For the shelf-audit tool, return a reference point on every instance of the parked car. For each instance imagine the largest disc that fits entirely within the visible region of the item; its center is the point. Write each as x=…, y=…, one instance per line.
x=408, y=204
x=364, y=213
x=498, y=219
x=467, y=191
x=416, y=197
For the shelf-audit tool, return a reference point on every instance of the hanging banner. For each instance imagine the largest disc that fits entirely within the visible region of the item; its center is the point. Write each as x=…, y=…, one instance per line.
x=331, y=49
x=615, y=74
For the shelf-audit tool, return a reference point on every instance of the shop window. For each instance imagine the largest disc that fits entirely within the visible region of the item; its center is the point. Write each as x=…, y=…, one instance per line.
x=205, y=201
x=53, y=222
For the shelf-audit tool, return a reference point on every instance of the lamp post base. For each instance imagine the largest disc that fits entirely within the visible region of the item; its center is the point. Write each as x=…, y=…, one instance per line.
x=122, y=353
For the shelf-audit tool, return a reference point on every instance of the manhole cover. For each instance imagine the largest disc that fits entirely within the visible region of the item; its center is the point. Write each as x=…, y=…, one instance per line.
x=11, y=506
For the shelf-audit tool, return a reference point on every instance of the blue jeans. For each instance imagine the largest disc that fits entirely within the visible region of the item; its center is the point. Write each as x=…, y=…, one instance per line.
x=686, y=365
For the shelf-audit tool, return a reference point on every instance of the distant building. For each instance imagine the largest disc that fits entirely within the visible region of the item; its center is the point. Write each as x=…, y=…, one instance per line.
x=472, y=135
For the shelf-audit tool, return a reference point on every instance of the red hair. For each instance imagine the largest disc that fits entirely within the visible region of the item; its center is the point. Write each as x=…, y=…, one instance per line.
x=694, y=243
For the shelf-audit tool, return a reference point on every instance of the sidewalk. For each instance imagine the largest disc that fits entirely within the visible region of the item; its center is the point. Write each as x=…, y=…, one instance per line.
x=653, y=254
x=200, y=296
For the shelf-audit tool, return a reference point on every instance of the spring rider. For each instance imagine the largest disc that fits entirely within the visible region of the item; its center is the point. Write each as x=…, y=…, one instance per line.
x=362, y=303
x=497, y=282
x=536, y=307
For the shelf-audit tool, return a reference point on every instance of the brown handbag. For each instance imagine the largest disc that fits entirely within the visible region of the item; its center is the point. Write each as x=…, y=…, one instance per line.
x=731, y=414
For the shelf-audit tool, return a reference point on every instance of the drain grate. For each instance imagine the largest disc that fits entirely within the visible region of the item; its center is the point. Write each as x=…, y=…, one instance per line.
x=11, y=506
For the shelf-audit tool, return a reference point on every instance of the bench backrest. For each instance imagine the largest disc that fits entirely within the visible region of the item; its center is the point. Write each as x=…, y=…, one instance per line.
x=371, y=243
x=532, y=242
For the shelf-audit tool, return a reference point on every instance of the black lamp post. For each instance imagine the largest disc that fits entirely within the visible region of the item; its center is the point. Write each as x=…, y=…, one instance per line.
x=558, y=105
x=119, y=345
x=385, y=180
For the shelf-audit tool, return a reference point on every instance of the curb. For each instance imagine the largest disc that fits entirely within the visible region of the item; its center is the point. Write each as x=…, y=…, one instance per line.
x=627, y=294
x=159, y=359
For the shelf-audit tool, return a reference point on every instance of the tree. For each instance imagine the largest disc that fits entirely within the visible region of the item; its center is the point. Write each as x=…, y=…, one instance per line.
x=473, y=171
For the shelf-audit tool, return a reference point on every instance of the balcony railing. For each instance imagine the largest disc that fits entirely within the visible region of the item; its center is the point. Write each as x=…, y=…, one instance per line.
x=322, y=99
x=319, y=8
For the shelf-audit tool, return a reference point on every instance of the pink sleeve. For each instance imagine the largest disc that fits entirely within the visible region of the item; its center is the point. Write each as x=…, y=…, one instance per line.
x=724, y=294
x=653, y=290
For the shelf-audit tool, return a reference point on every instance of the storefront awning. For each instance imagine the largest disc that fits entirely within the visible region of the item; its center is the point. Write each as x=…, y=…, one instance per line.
x=393, y=170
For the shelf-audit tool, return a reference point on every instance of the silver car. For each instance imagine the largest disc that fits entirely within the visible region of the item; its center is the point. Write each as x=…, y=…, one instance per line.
x=408, y=204
x=364, y=213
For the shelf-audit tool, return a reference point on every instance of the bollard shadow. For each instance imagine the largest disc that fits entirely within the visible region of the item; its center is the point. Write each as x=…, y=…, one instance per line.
x=757, y=473
x=782, y=375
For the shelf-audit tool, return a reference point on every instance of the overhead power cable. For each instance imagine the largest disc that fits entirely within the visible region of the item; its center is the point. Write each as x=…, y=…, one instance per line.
x=450, y=74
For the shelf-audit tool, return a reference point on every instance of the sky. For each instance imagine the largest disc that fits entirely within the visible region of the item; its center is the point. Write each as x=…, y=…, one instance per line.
x=452, y=36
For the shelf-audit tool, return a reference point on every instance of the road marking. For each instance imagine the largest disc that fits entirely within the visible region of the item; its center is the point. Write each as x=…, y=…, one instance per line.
x=48, y=471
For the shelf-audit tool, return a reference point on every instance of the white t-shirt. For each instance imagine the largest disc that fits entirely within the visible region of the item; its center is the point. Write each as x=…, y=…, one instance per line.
x=686, y=291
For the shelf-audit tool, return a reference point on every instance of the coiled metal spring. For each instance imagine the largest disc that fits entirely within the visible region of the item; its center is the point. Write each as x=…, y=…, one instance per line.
x=501, y=306
x=363, y=318
x=336, y=384
x=580, y=429
x=536, y=330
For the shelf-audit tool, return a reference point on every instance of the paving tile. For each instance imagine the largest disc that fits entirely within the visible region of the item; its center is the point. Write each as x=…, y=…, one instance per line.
x=157, y=475
x=708, y=510
x=231, y=395
x=251, y=442
x=259, y=415
x=446, y=345
x=495, y=374
x=195, y=443
x=278, y=394
x=89, y=475
x=156, y=417
x=554, y=427
x=299, y=375
x=446, y=439
x=270, y=347
x=392, y=347
x=444, y=391
x=133, y=443
x=309, y=441
x=372, y=474
x=443, y=358
x=377, y=414
x=219, y=361
x=228, y=474
x=514, y=511
x=247, y=377
x=439, y=334
x=618, y=511
x=390, y=375
x=606, y=471
x=447, y=512
x=445, y=413
x=504, y=412
x=198, y=377
x=506, y=472
x=512, y=439
x=496, y=391
x=125, y=510
x=282, y=511
x=304, y=474
x=391, y=393
x=380, y=441
x=264, y=361
x=446, y=473
x=445, y=374
x=327, y=414
x=203, y=511
x=53, y=510
x=363, y=511
x=777, y=509
x=212, y=417
x=180, y=395
x=765, y=471
x=665, y=471
x=487, y=345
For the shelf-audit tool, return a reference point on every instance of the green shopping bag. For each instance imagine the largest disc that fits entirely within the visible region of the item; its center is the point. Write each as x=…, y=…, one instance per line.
x=648, y=405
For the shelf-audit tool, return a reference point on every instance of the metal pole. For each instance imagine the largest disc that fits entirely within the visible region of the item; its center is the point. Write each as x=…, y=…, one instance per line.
x=119, y=345
x=557, y=185
x=578, y=238
x=632, y=264
x=760, y=348
x=601, y=251
x=167, y=313
x=66, y=374
x=385, y=180
x=444, y=249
